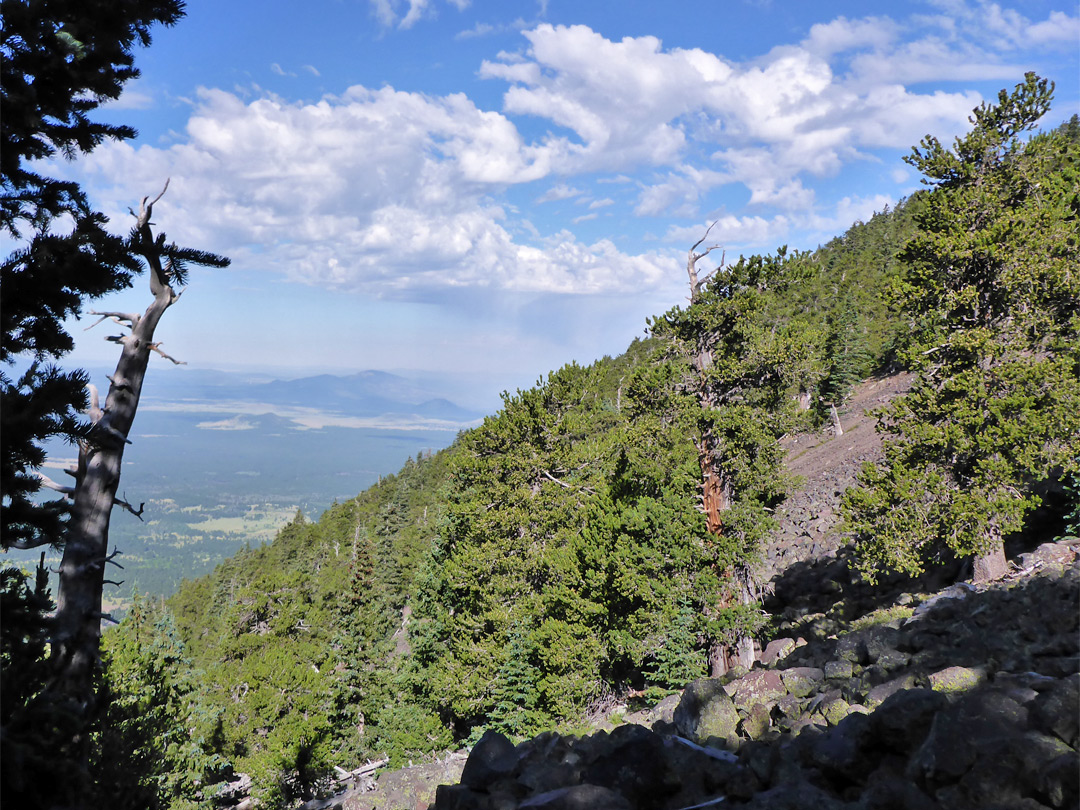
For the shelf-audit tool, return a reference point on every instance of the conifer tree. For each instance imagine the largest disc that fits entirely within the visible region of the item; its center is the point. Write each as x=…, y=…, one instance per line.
x=740, y=369
x=62, y=59
x=991, y=295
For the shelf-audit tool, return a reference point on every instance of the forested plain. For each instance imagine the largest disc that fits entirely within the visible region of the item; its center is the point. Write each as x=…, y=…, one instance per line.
x=601, y=534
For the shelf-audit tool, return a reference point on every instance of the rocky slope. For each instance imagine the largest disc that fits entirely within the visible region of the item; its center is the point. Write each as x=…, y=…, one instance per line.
x=911, y=694
x=962, y=699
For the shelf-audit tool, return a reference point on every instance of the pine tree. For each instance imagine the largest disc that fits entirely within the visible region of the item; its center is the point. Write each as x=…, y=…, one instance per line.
x=991, y=295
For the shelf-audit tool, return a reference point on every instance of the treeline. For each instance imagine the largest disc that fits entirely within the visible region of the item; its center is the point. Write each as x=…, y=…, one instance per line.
x=600, y=534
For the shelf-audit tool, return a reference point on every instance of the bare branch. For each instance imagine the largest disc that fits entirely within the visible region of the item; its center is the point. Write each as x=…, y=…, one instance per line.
x=97, y=614
x=110, y=559
x=693, y=258
x=703, y=238
x=146, y=208
x=119, y=317
x=112, y=582
x=121, y=502
x=48, y=483
x=156, y=347
x=551, y=477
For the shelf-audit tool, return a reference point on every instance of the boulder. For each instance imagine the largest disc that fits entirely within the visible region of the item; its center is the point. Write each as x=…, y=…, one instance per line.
x=838, y=670
x=776, y=650
x=757, y=721
x=578, y=797
x=903, y=720
x=876, y=696
x=706, y=711
x=1056, y=710
x=492, y=757
x=801, y=681
x=957, y=679
x=760, y=686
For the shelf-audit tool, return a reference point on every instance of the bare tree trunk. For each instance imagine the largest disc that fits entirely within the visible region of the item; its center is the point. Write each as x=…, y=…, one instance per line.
x=838, y=429
x=77, y=634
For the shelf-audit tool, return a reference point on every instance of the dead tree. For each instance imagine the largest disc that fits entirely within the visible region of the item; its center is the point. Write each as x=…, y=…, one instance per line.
x=77, y=630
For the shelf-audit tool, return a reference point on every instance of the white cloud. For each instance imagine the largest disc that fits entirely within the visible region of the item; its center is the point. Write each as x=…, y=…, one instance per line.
x=378, y=190
x=560, y=191
x=734, y=233
x=1058, y=28
x=406, y=13
x=629, y=104
x=843, y=34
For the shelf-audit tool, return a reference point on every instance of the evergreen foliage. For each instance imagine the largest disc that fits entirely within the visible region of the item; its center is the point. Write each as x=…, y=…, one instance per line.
x=155, y=745
x=991, y=295
x=62, y=59
x=558, y=553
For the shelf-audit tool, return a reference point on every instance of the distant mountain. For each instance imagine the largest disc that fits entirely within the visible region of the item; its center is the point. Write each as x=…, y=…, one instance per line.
x=366, y=393
x=223, y=459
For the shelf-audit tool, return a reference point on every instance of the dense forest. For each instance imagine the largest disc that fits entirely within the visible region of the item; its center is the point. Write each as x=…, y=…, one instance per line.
x=603, y=533
x=561, y=554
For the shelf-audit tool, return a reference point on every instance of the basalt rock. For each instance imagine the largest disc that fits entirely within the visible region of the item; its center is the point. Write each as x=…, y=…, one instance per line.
x=972, y=702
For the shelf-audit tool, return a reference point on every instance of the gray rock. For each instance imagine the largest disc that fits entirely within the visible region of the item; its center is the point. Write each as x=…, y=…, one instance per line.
x=957, y=679
x=876, y=696
x=1057, y=710
x=760, y=686
x=776, y=650
x=880, y=640
x=903, y=720
x=491, y=758
x=851, y=647
x=706, y=711
x=801, y=681
x=757, y=721
x=838, y=670
x=846, y=750
x=976, y=724
x=578, y=797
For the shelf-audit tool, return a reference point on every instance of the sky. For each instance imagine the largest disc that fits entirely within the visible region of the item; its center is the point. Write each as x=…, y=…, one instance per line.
x=491, y=190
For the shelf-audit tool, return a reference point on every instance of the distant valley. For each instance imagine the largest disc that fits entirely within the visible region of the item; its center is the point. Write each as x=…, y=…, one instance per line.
x=224, y=459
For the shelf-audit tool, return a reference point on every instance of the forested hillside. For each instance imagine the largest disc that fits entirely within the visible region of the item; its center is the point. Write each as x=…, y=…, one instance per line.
x=602, y=533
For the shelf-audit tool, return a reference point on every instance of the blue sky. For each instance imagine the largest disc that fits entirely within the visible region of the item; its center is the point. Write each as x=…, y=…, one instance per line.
x=494, y=189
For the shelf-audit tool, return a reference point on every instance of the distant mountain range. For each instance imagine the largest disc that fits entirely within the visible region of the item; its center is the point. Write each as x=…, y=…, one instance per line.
x=363, y=394
x=222, y=459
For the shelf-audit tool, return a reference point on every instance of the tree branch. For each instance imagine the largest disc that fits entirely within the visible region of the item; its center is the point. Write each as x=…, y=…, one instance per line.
x=156, y=347
x=693, y=258
x=121, y=502
x=48, y=483
x=119, y=317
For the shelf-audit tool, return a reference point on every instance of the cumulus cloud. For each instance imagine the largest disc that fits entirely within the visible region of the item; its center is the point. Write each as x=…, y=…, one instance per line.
x=378, y=190
x=627, y=104
x=397, y=192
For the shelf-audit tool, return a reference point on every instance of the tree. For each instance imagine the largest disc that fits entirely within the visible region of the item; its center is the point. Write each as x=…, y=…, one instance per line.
x=77, y=634
x=152, y=748
x=736, y=371
x=61, y=60
x=991, y=295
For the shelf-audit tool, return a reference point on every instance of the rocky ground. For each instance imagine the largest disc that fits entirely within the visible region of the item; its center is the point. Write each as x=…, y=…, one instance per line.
x=910, y=695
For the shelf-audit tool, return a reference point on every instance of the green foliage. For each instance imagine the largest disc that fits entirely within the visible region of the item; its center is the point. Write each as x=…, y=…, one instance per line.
x=991, y=294
x=61, y=61
x=32, y=727
x=155, y=744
